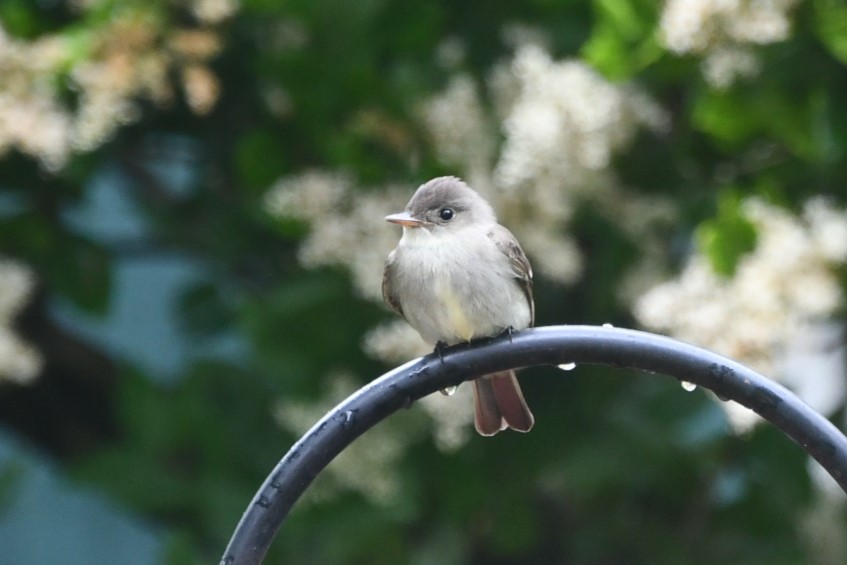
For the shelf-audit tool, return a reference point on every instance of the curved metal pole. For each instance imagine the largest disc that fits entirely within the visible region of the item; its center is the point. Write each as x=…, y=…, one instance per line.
x=538, y=346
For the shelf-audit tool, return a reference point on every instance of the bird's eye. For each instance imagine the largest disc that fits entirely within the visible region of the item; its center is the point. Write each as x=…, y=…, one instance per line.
x=446, y=214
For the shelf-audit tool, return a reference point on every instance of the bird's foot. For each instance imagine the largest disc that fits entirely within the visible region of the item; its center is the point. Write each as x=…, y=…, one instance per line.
x=440, y=348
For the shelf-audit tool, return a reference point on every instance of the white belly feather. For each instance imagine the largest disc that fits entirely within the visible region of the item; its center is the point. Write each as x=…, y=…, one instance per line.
x=454, y=295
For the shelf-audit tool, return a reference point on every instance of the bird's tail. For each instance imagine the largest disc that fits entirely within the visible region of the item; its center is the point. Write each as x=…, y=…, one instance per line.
x=500, y=404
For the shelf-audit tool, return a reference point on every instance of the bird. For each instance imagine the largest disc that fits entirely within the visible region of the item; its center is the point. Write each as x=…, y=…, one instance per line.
x=458, y=275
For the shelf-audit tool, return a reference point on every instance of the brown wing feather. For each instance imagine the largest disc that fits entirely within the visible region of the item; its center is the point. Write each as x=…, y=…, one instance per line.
x=509, y=246
x=390, y=298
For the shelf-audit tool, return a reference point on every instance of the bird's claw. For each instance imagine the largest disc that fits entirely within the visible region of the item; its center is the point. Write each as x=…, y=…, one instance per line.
x=440, y=347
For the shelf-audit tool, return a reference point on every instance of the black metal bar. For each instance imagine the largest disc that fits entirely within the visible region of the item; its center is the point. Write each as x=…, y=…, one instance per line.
x=538, y=346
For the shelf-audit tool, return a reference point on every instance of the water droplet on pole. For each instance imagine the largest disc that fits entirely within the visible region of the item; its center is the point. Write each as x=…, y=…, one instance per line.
x=449, y=391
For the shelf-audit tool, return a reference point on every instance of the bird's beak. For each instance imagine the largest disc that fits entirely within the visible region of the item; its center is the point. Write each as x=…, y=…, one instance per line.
x=405, y=219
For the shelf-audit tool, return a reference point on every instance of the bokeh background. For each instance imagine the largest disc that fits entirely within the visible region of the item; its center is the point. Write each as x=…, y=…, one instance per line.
x=192, y=196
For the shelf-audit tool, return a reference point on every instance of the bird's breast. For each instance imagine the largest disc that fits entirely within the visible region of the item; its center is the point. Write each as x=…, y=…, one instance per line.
x=454, y=293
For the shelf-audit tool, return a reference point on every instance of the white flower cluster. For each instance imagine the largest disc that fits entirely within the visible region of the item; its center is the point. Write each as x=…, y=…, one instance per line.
x=31, y=118
x=452, y=417
x=212, y=12
x=561, y=122
x=779, y=297
x=459, y=128
x=394, y=342
x=19, y=361
x=723, y=31
x=347, y=226
x=108, y=68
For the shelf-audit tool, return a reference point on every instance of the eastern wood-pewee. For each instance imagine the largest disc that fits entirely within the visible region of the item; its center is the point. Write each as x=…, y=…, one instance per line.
x=456, y=275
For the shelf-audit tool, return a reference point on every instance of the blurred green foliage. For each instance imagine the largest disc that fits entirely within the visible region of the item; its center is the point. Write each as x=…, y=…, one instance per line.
x=621, y=468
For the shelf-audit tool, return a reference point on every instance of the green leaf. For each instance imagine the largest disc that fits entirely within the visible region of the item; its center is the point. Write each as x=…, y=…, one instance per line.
x=724, y=115
x=808, y=119
x=725, y=238
x=623, y=41
x=18, y=19
x=831, y=26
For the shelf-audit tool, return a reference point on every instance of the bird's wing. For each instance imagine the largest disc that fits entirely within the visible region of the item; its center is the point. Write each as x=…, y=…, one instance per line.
x=509, y=246
x=387, y=295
